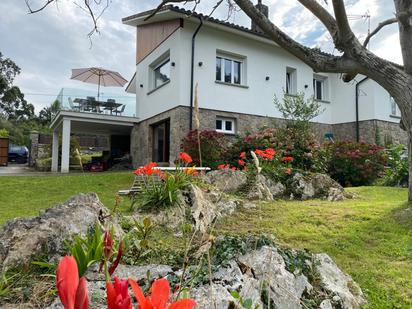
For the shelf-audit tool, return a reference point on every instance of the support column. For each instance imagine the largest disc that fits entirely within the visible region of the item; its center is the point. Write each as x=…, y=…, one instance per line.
x=55, y=151
x=66, y=146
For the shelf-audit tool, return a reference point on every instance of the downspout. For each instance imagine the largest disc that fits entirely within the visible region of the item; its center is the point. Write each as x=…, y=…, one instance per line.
x=192, y=72
x=357, y=107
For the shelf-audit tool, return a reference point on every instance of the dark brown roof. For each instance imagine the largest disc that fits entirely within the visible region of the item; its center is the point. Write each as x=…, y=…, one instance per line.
x=197, y=15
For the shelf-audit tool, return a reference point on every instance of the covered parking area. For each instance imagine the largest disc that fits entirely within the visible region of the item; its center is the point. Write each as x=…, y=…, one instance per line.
x=66, y=123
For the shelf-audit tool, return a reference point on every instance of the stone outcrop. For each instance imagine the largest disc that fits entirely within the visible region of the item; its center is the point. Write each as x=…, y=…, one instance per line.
x=44, y=235
x=316, y=185
x=261, y=275
x=227, y=180
x=265, y=189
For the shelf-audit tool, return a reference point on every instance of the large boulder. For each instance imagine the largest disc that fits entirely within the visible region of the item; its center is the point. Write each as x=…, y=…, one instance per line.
x=316, y=186
x=44, y=235
x=264, y=188
x=227, y=180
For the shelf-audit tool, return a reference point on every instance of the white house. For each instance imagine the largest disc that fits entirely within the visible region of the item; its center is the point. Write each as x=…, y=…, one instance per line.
x=238, y=71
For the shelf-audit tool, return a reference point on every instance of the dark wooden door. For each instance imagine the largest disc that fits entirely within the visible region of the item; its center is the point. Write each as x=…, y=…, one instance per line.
x=4, y=151
x=161, y=142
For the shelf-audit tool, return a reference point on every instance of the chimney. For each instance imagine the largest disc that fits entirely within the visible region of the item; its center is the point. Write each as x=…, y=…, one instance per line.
x=264, y=9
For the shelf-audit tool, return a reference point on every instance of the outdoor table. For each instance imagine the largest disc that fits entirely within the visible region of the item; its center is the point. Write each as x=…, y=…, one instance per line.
x=111, y=106
x=87, y=105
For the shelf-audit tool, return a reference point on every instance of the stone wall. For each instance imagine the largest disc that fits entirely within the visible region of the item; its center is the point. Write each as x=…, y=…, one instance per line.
x=371, y=131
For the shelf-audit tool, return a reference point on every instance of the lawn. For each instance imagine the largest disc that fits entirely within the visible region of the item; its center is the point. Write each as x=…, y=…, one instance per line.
x=25, y=196
x=369, y=237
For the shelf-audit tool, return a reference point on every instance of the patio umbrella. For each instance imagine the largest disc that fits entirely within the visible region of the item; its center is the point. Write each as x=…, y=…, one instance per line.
x=100, y=77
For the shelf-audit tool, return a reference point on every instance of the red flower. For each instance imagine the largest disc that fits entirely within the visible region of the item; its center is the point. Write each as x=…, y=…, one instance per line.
x=242, y=155
x=241, y=163
x=107, y=245
x=148, y=169
x=72, y=291
x=286, y=159
x=117, y=260
x=160, y=297
x=185, y=157
x=288, y=171
x=223, y=166
x=118, y=295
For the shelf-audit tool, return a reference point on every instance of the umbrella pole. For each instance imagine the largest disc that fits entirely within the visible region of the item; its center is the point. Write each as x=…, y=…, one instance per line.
x=98, y=90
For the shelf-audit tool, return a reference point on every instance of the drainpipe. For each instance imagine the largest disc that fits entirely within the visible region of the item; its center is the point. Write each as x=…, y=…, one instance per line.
x=192, y=72
x=357, y=107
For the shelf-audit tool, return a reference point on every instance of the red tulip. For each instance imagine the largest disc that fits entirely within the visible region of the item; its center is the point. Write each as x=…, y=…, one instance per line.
x=72, y=291
x=118, y=295
x=160, y=297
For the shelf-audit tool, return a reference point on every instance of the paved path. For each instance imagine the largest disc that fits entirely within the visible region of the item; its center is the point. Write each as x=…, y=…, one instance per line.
x=14, y=169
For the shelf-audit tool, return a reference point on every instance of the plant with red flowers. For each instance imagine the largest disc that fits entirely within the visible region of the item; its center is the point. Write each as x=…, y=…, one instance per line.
x=72, y=291
x=185, y=158
x=159, y=297
x=118, y=294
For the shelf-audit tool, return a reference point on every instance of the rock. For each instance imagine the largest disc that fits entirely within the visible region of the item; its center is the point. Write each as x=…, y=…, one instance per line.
x=216, y=297
x=316, y=186
x=22, y=239
x=265, y=189
x=268, y=266
x=326, y=304
x=226, y=180
x=338, y=283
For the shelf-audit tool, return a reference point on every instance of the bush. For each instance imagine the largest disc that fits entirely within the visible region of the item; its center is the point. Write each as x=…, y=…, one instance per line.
x=4, y=133
x=355, y=164
x=213, y=146
x=397, y=171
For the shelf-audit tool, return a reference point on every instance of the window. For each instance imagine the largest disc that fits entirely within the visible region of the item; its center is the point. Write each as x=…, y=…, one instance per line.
x=228, y=70
x=394, y=107
x=320, y=90
x=225, y=125
x=161, y=141
x=291, y=81
x=162, y=73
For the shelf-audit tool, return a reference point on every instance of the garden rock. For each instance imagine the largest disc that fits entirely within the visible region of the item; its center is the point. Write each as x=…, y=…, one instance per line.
x=44, y=235
x=265, y=189
x=316, y=186
x=227, y=180
x=338, y=283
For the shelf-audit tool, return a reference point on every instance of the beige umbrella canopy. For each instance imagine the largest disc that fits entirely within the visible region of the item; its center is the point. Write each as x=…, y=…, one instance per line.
x=100, y=77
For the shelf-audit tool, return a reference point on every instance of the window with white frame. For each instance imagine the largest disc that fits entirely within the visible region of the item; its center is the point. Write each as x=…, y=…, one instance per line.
x=229, y=69
x=225, y=125
x=394, y=107
x=320, y=88
x=291, y=81
x=160, y=71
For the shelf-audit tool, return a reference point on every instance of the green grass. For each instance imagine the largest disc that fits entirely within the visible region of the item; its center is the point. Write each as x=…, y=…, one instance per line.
x=25, y=196
x=369, y=237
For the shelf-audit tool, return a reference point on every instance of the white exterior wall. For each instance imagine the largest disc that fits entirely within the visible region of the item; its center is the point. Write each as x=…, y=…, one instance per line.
x=257, y=99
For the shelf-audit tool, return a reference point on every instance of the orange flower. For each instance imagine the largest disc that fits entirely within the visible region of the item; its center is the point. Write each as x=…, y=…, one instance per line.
x=288, y=171
x=191, y=171
x=148, y=169
x=241, y=162
x=286, y=159
x=185, y=157
x=242, y=155
x=72, y=290
x=159, y=299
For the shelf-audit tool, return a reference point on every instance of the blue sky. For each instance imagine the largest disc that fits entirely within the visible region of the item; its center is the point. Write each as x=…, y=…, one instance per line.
x=48, y=44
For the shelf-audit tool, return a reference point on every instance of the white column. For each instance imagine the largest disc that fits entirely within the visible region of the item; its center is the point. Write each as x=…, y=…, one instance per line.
x=65, y=146
x=55, y=151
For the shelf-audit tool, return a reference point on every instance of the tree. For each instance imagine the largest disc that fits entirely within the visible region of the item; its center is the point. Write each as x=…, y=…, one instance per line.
x=47, y=113
x=355, y=58
x=13, y=106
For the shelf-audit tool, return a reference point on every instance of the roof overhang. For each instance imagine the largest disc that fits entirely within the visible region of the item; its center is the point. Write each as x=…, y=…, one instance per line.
x=90, y=123
x=131, y=87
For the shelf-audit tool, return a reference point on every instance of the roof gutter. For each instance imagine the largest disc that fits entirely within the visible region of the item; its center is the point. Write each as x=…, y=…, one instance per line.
x=192, y=67
x=357, y=107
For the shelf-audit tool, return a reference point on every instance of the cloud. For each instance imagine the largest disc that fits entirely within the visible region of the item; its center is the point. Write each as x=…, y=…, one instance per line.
x=48, y=44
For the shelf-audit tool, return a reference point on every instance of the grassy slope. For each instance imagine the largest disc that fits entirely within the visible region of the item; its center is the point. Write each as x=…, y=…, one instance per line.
x=369, y=237
x=25, y=196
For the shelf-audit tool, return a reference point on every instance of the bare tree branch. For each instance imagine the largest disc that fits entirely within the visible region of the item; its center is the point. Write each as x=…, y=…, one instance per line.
x=378, y=28
x=165, y=2
x=31, y=11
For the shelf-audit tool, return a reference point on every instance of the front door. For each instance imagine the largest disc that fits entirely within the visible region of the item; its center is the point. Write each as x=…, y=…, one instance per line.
x=161, y=141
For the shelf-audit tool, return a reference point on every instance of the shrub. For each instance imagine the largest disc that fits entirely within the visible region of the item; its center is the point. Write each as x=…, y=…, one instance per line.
x=4, y=133
x=213, y=145
x=397, y=171
x=355, y=164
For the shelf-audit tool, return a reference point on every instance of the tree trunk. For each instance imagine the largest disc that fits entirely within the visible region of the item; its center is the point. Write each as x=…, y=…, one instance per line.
x=409, y=131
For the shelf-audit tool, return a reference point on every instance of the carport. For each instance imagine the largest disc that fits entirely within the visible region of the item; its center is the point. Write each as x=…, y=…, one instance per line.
x=68, y=122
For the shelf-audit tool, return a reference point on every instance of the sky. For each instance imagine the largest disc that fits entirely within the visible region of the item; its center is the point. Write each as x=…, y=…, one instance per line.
x=48, y=44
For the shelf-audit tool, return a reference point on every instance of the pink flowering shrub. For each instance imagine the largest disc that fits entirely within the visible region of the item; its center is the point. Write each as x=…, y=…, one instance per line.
x=355, y=164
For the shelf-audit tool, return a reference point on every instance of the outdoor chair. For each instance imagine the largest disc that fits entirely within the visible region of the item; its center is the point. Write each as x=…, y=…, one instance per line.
x=138, y=183
x=121, y=110
x=72, y=107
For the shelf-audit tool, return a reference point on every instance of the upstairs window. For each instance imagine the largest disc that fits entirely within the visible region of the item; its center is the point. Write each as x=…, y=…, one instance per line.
x=229, y=70
x=320, y=90
x=225, y=125
x=162, y=73
x=291, y=81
